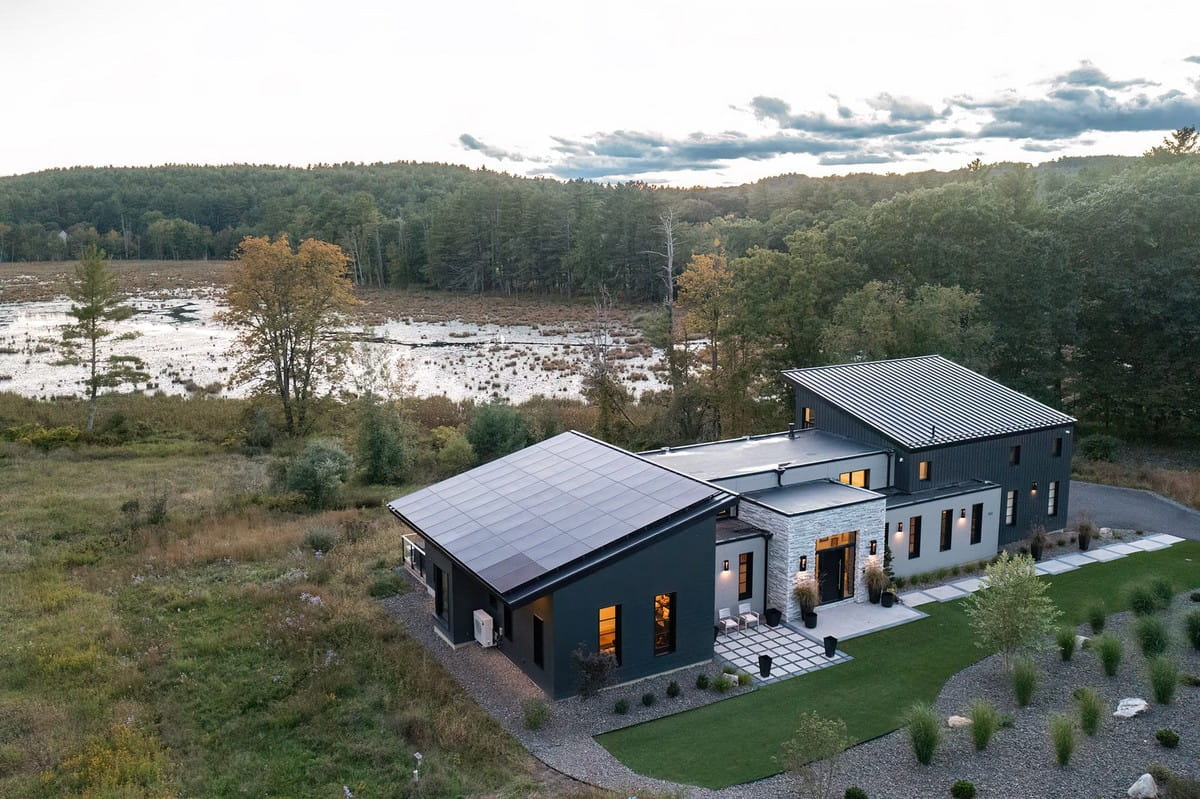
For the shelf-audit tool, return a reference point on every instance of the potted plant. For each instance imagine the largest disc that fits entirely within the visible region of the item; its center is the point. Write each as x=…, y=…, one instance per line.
x=1087, y=531
x=773, y=616
x=888, y=597
x=1037, y=542
x=806, y=596
x=877, y=580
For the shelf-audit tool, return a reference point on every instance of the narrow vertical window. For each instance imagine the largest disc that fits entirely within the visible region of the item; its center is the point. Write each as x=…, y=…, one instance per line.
x=977, y=523
x=1010, y=508
x=508, y=630
x=914, y=537
x=745, y=575
x=539, y=643
x=1056, y=447
x=806, y=420
x=925, y=471
x=1014, y=455
x=664, y=624
x=610, y=631
x=441, y=593
x=1052, y=499
x=947, y=530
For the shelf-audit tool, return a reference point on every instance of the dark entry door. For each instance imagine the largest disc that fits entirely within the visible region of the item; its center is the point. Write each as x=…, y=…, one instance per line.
x=831, y=567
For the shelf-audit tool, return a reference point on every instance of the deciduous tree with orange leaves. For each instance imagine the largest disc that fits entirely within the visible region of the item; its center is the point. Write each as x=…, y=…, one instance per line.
x=288, y=305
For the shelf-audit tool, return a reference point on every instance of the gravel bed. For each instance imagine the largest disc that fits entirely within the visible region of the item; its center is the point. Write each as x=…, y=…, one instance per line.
x=1019, y=763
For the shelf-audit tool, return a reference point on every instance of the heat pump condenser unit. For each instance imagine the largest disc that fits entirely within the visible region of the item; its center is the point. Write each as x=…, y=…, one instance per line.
x=483, y=628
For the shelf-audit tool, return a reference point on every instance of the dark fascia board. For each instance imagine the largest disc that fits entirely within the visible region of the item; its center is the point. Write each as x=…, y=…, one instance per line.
x=925, y=448
x=877, y=497
x=585, y=564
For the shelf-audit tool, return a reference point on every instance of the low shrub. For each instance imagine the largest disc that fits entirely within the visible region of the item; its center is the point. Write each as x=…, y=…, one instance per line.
x=1065, y=638
x=319, y=472
x=963, y=789
x=1152, y=636
x=1141, y=599
x=1168, y=738
x=386, y=585
x=1099, y=447
x=1062, y=737
x=1191, y=627
x=854, y=792
x=320, y=538
x=595, y=670
x=621, y=707
x=702, y=682
x=1195, y=596
x=1024, y=678
x=1108, y=649
x=649, y=698
x=984, y=721
x=1164, y=678
x=728, y=670
x=743, y=679
x=1096, y=616
x=1190, y=680
x=723, y=684
x=535, y=713
x=1007, y=720
x=924, y=731
x=1091, y=708
x=1163, y=590
x=673, y=689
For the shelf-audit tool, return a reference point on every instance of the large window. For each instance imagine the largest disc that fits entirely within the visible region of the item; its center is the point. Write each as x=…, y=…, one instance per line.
x=539, y=643
x=1052, y=499
x=664, y=624
x=1010, y=508
x=858, y=479
x=1014, y=455
x=914, y=537
x=947, y=530
x=977, y=523
x=610, y=631
x=745, y=575
x=925, y=471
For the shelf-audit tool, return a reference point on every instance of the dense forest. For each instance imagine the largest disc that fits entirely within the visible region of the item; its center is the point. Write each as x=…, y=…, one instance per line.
x=1077, y=281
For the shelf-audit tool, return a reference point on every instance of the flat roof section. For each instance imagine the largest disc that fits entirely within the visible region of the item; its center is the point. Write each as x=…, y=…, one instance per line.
x=734, y=529
x=716, y=460
x=809, y=497
x=900, y=499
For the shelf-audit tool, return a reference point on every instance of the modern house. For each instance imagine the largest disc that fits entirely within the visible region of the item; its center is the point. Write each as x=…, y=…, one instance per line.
x=575, y=543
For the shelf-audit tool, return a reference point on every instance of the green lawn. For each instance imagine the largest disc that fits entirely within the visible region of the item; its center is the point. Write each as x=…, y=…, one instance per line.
x=736, y=740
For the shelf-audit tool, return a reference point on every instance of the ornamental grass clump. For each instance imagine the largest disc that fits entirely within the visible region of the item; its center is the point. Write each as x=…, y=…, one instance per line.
x=1065, y=637
x=1108, y=649
x=1191, y=628
x=1164, y=678
x=924, y=732
x=1096, y=617
x=1152, y=635
x=1141, y=599
x=1024, y=677
x=984, y=721
x=1091, y=707
x=1163, y=591
x=1062, y=737
x=963, y=789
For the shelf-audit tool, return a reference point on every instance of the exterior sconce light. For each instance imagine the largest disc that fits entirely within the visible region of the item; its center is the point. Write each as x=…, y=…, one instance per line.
x=962, y=514
x=899, y=527
x=804, y=563
x=1034, y=486
x=726, y=568
x=874, y=546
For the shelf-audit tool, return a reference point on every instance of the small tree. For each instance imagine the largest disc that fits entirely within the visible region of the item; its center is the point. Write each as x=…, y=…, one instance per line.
x=813, y=752
x=595, y=669
x=452, y=453
x=94, y=301
x=1013, y=614
x=496, y=430
x=383, y=450
x=319, y=472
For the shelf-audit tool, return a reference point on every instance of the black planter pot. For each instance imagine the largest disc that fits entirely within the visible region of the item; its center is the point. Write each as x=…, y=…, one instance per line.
x=830, y=646
x=1035, y=550
x=716, y=632
x=887, y=599
x=1084, y=543
x=773, y=616
x=874, y=594
x=810, y=619
x=764, y=666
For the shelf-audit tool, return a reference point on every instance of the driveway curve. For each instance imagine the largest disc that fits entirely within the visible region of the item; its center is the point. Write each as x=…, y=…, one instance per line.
x=1132, y=509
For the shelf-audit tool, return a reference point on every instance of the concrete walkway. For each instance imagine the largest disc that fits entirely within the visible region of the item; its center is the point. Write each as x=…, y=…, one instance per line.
x=1132, y=509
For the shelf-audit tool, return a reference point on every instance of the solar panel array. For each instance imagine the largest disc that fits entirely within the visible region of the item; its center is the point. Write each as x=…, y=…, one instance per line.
x=928, y=400
x=515, y=519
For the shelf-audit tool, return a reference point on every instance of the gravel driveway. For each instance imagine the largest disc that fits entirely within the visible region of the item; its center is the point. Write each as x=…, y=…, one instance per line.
x=1132, y=509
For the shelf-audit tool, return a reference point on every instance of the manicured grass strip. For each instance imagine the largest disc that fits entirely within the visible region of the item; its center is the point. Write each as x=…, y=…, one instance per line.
x=737, y=740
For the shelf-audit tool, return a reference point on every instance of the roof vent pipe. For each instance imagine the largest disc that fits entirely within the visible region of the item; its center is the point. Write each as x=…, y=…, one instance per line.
x=791, y=429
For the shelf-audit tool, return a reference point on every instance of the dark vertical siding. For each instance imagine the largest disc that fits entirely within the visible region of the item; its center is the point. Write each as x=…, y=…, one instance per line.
x=520, y=649
x=466, y=595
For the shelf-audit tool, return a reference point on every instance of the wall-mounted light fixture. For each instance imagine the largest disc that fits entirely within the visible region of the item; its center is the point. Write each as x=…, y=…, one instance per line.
x=726, y=568
x=1034, y=486
x=899, y=527
x=874, y=546
x=804, y=563
x=962, y=514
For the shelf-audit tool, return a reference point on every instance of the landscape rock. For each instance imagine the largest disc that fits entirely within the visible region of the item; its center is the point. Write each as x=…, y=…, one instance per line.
x=1081, y=642
x=955, y=722
x=1144, y=788
x=1129, y=707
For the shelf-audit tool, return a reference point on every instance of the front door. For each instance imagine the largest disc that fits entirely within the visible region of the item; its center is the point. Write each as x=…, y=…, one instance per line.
x=835, y=566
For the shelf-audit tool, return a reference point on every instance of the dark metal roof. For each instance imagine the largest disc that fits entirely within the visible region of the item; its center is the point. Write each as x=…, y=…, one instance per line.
x=520, y=517
x=815, y=495
x=926, y=401
x=716, y=460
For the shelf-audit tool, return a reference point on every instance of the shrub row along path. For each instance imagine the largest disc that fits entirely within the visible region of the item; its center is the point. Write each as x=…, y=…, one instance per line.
x=1132, y=509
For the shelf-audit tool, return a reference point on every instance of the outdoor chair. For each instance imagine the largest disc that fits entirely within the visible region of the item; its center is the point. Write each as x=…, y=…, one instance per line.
x=748, y=617
x=728, y=622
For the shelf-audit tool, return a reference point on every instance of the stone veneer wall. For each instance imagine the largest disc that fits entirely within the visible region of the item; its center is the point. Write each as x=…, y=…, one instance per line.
x=794, y=536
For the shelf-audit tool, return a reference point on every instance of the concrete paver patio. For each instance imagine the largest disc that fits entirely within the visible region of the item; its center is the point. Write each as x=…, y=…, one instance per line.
x=791, y=652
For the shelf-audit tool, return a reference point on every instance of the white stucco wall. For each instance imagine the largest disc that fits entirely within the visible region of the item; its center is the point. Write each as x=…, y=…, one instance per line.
x=727, y=581
x=797, y=535
x=961, y=549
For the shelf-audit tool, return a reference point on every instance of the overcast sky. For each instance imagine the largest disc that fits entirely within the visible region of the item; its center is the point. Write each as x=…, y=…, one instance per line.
x=682, y=93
